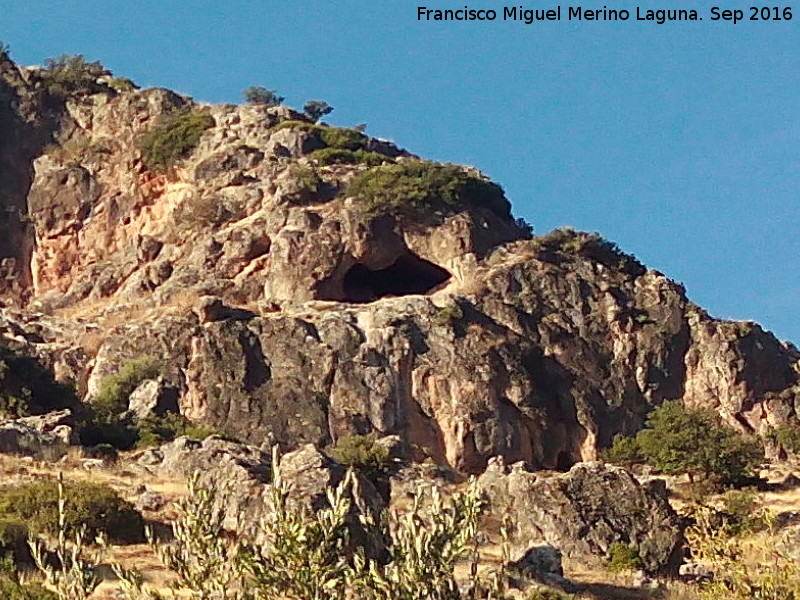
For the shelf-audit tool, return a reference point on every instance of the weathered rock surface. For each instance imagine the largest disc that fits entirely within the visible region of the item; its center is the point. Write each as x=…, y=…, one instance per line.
x=43, y=441
x=583, y=512
x=242, y=476
x=313, y=321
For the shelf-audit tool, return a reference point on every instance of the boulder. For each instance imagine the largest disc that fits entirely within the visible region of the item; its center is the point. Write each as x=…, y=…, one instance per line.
x=17, y=438
x=60, y=424
x=153, y=397
x=585, y=511
x=242, y=476
x=542, y=564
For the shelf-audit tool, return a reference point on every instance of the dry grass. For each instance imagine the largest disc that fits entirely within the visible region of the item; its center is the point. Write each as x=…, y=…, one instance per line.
x=15, y=469
x=594, y=582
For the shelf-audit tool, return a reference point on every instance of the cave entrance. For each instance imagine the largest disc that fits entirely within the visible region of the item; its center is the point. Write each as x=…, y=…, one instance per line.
x=409, y=274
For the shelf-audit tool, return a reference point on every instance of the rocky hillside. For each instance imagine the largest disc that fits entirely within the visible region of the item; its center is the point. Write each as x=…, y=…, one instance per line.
x=300, y=282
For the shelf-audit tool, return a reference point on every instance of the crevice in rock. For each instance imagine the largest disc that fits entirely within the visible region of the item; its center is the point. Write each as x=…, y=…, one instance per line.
x=407, y=275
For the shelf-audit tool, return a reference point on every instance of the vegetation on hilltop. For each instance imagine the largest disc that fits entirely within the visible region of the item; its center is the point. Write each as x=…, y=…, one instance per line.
x=72, y=74
x=678, y=440
x=416, y=188
x=173, y=137
x=316, y=109
x=567, y=242
x=262, y=96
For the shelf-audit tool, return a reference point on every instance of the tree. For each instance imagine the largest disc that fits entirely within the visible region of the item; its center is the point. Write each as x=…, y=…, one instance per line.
x=4, y=49
x=263, y=96
x=72, y=73
x=316, y=109
x=678, y=439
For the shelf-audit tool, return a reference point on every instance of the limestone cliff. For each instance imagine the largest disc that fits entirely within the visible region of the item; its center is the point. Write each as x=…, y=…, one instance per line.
x=451, y=329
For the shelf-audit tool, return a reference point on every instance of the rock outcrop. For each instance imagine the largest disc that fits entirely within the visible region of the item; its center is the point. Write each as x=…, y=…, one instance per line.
x=242, y=477
x=285, y=311
x=583, y=512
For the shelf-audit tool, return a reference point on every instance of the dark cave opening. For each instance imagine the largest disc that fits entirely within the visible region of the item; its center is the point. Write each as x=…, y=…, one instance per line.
x=409, y=274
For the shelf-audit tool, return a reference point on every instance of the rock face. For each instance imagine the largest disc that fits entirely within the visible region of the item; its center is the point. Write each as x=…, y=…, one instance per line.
x=45, y=437
x=243, y=476
x=286, y=312
x=583, y=512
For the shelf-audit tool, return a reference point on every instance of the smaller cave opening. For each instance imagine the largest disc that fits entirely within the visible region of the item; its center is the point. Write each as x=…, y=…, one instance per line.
x=408, y=275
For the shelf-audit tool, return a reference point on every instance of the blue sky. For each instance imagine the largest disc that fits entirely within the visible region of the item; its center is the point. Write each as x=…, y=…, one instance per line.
x=677, y=141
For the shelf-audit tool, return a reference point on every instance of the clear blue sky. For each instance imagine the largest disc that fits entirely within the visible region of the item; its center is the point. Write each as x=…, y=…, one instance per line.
x=678, y=141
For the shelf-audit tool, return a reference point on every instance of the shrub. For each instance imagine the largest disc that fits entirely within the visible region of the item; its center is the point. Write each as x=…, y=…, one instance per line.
x=525, y=228
x=308, y=554
x=112, y=397
x=787, y=436
x=624, y=451
x=338, y=156
x=302, y=186
x=761, y=568
x=447, y=315
x=740, y=513
x=300, y=125
x=263, y=96
x=67, y=572
x=678, y=440
x=339, y=138
x=623, y=557
x=5, y=49
x=416, y=187
x=157, y=429
x=566, y=241
x=363, y=453
x=94, y=506
x=72, y=73
x=316, y=109
x=13, y=588
x=174, y=137
x=14, y=540
x=342, y=138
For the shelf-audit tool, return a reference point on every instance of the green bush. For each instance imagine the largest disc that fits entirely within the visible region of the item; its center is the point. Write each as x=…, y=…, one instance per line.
x=311, y=556
x=447, y=315
x=339, y=138
x=339, y=156
x=622, y=557
x=342, y=138
x=72, y=73
x=363, y=453
x=740, y=513
x=299, y=125
x=155, y=429
x=316, y=109
x=109, y=422
x=94, y=506
x=14, y=540
x=567, y=242
x=788, y=437
x=416, y=188
x=13, y=588
x=261, y=95
x=624, y=451
x=112, y=397
x=679, y=440
x=174, y=137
